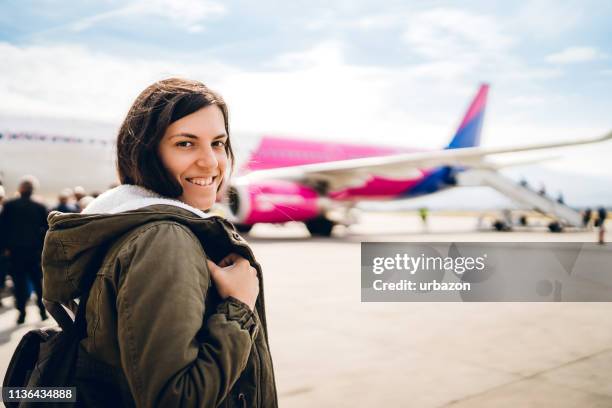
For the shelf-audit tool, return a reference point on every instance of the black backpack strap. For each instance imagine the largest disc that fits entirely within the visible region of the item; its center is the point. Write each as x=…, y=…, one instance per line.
x=61, y=314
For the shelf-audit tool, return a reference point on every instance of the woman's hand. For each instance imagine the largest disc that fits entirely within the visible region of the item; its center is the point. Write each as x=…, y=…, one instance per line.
x=234, y=276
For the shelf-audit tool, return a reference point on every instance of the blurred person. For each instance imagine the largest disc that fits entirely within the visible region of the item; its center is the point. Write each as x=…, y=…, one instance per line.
x=79, y=193
x=586, y=217
x=178, y=314
x=4, y=261
x=64, y=204
x=23, y=223
x=542, y=190
x=560, y=198
x=424, y=213
x=602, y=214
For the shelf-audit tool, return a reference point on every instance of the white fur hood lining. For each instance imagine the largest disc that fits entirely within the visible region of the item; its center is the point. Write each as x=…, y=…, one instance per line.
x=128, y=197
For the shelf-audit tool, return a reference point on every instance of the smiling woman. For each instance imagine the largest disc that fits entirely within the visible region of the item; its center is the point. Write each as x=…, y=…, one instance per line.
x=178, y=314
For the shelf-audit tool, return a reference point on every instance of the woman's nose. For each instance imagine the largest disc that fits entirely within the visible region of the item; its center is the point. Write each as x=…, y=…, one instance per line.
x=207, y=159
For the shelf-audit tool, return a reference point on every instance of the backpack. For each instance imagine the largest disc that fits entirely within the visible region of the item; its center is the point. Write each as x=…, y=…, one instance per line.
x=47, y=357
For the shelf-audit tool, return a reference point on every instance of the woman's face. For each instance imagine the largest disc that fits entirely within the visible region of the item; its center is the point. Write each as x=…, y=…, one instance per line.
x=193, y=151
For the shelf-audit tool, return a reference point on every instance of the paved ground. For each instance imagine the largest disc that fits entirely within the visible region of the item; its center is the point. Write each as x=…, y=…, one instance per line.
x=331, y=350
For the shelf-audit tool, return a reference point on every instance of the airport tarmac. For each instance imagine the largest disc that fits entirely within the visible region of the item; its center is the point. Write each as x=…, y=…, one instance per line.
x=332, y=350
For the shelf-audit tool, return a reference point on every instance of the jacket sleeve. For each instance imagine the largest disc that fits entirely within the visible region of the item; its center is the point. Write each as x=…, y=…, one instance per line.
x=160, y=306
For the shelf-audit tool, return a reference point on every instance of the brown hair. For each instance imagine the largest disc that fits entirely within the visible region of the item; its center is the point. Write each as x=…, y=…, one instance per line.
x=157, y=107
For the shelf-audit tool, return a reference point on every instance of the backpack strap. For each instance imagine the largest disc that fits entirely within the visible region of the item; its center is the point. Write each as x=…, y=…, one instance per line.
x=62, y=313
x=59, y=313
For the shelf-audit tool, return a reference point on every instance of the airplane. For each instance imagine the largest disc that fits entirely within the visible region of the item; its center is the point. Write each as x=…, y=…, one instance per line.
x=300, y=180
x=318, y=183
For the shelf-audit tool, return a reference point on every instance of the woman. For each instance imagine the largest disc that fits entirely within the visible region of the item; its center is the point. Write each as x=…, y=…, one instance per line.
x=175, y=314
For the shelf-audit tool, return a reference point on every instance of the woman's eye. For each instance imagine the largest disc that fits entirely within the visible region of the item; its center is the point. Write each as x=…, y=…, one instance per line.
x=219, y=143
x=185, y=143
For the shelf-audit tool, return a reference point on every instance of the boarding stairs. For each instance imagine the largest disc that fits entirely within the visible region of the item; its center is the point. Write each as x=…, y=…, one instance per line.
x=520, y=194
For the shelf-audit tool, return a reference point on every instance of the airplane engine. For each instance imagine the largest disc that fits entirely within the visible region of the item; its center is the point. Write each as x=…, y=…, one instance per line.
x=273, y=202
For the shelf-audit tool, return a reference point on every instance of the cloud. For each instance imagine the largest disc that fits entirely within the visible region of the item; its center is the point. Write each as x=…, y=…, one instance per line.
x=327, y=53
x=528, y=100
x=546, y=19
x=443, y=33
x=380, y=21
x=71, y=81
x=573, y=55
x=519, y=72
x=458, y=45
x=189, y=14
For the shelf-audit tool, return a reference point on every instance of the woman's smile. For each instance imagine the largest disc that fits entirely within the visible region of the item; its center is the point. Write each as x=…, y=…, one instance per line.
x=202, y=181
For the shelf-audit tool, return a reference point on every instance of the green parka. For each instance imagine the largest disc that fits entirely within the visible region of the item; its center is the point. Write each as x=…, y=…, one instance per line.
x=158, y=333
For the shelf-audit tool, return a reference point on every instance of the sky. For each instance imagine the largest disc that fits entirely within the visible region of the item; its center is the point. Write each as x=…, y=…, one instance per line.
x=400, y=73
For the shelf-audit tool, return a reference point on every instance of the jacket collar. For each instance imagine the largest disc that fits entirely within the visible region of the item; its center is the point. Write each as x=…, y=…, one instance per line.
x=128, y=197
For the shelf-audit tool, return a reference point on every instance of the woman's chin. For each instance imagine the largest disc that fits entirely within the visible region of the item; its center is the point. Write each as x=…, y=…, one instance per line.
x=203, y=204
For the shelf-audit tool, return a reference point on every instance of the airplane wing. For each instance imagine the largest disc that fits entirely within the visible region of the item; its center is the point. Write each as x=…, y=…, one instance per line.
x=347, y=173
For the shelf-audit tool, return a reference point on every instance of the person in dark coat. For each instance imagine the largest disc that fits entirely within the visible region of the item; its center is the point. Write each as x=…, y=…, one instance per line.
x=23, y=224
x=586, y=217
x=63, y=202
x=4, y=262
x=602, y=214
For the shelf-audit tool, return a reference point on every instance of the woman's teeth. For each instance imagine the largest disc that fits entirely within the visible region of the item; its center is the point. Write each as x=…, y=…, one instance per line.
x=201, y=181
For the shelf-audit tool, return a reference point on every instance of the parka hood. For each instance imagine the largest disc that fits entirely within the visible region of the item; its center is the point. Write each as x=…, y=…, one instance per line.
x=127, y=197
x=77, y=243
